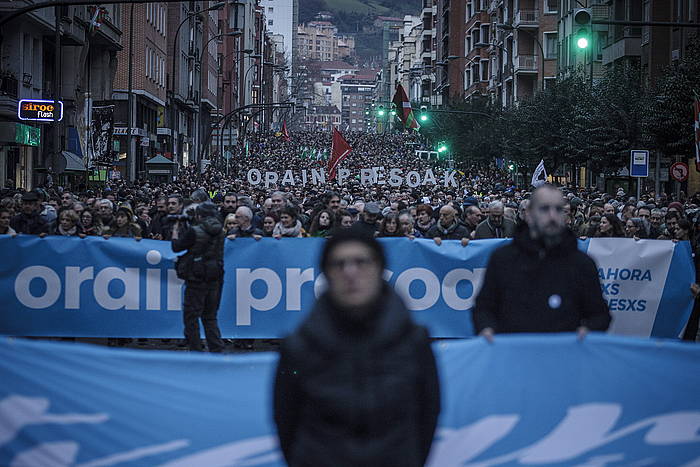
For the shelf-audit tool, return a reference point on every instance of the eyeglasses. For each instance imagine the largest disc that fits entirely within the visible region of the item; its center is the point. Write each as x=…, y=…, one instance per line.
x=358, y=263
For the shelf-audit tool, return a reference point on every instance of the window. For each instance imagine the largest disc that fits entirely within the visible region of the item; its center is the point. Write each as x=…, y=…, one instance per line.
x=148, y=62
x=270, y=9
x=270, y=22
x=484, y=70
x=550, y=45
x=551, y=6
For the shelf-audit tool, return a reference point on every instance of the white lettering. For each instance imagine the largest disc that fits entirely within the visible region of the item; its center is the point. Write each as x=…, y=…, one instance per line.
x=288, y=178
x=257, y=179
x=449, y=287
x=270, y=178
x=410, y=182
x=75, y=276
x=245, y=301
x=129, y=299
x=395, y=178
x=296, y=278
x=51, y=280
x=430, y=281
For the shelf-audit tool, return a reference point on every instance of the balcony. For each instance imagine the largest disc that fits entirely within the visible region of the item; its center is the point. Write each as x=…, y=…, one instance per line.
x=526, y=64
x=526, y=19
x=9, y=92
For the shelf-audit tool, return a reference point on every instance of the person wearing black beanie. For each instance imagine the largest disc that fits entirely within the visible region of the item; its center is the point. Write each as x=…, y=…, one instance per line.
x=357, y=382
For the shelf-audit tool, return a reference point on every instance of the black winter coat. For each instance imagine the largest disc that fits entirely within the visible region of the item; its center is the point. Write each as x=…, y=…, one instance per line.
x=31, y=224
x=357, y=393
x=528, y=288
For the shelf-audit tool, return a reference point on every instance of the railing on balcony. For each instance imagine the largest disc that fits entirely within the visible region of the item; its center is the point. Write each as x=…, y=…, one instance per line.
x=9, y=86
x=526, y=63
x=526, y=18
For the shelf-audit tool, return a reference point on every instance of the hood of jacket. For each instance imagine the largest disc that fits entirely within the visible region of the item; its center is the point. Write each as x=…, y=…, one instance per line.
x=211, y=225
x=536, y=247
x=330, y=328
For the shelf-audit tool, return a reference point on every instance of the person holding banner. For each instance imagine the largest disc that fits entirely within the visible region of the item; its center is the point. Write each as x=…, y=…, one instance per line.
x=541, y=282
x=356, y=383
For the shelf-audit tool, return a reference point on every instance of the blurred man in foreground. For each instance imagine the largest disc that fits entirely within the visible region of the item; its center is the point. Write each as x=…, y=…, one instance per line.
x=541, y=282
x=357, y=383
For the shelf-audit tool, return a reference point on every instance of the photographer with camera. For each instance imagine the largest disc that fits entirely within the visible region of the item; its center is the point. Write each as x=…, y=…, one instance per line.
x=174, y=214
x=202, y=269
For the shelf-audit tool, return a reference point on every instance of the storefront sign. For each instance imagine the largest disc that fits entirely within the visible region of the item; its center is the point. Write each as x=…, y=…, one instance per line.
x=27, y=135
x=39, y=110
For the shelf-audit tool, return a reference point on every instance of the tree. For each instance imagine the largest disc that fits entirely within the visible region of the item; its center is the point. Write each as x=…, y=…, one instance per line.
x=669, y=122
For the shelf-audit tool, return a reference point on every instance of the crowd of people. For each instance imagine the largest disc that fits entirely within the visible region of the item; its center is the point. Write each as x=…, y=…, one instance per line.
x=485, y=204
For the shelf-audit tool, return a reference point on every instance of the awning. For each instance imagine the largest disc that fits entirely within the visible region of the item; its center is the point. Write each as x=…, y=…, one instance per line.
x=70, y=163
x=159, y=159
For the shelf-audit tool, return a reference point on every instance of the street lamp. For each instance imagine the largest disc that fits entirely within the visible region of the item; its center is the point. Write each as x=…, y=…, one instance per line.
x=199, y=94
x=510, y=27
x=176, y=58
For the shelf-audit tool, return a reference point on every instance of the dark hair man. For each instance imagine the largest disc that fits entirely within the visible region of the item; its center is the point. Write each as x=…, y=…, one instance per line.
x=541, y=282
x=202, y=270
x=229, y=205
x=335, y=395
x=174, y=206
x=28, y=221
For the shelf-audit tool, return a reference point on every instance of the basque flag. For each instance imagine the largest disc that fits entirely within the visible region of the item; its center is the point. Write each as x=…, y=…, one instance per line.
x=403, y=108
x=339, y=151
x=285, y=133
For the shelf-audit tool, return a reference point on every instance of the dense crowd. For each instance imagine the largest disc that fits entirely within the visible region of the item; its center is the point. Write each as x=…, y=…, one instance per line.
x=486, y=204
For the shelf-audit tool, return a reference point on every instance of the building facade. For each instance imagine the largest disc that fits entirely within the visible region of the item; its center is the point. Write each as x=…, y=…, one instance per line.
x=146, y=66
x=81, y=75
x=319, y=40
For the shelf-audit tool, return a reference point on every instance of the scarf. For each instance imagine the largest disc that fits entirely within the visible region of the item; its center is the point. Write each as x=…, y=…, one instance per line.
x=423, y=228
x=448, y=230
x=67, y=232
x=288, y=231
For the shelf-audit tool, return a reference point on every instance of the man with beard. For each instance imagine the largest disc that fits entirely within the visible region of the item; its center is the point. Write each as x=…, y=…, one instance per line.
x=495, y=225
x=229, y=205
x=541, y=282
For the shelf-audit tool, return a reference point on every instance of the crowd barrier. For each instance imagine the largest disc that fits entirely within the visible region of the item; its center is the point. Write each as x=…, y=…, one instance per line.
x=94, y=287
x=524, y=400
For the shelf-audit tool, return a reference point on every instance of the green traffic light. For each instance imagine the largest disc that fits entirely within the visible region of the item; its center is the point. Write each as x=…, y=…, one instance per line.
x=423, y=118
x=393, y=113
x=380, y=112
x=442, y=148
x=582, y=42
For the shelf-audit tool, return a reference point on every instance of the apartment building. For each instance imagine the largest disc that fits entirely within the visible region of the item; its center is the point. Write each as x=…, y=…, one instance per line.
x=358, y=92
x=89, y=40
x=147, y=69
x=524, y=46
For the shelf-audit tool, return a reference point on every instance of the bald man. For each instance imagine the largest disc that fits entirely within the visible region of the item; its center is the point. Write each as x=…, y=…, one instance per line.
x=541, y=281
x=448, y=228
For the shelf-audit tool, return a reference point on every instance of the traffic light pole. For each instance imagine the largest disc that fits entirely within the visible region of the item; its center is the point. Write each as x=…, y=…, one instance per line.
x=647, y=23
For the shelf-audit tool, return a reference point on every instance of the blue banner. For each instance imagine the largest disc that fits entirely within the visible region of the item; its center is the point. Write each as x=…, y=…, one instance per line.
x=94, y=287
x=529, y=399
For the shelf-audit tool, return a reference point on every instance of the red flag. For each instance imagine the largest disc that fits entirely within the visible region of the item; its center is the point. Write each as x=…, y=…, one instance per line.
x=696, y=115
x=403, y=108
x=285, y=133
x=339, y=151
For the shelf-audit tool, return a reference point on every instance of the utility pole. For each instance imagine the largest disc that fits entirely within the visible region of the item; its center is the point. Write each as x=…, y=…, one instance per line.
x=56, y=94
x=130, y=149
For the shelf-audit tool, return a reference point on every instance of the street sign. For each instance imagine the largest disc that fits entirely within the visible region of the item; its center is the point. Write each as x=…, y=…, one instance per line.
x=639, y=163
x=679, y=171
x=228, y=155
